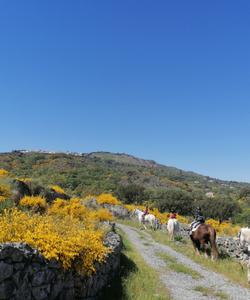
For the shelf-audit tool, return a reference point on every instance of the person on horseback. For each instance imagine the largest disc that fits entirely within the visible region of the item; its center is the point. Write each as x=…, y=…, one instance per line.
x=173, y=215
x=146, y=212
x=198, y=215
x=198, y=219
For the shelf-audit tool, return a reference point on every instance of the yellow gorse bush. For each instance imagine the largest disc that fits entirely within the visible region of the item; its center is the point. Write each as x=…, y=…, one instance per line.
x=101, y=215
x=4, y=192
x=57, y=189
x=33, y=202
x=108, y=199
x=75, y=209
x=63, y=239
x=3, y=173
x=224, y=228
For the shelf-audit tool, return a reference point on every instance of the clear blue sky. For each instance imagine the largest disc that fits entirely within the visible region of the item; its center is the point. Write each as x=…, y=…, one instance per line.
x=164, y=80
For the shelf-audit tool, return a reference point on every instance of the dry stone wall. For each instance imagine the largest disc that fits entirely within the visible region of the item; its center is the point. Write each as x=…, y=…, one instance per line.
x=27, y=275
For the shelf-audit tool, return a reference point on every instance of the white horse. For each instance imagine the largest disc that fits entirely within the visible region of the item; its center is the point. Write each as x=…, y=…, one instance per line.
x=173, y=228
x=149, y=218
x=244, y=237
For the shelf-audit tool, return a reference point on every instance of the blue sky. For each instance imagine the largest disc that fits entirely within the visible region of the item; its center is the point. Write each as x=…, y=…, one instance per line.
x=164, y=80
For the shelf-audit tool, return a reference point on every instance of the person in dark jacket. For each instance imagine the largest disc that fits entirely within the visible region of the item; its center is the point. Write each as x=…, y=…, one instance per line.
x=198, y=219
x=198, y=216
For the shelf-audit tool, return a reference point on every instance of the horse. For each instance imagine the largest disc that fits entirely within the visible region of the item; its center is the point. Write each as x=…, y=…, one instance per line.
x=244, y=237
x=173, y=228
x=200, y=238
x=149, y=218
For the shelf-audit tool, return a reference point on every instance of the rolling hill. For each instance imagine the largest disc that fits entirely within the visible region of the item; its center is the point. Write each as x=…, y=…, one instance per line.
x=87, y=173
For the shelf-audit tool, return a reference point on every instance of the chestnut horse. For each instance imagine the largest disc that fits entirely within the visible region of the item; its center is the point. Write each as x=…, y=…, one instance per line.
x=203, y=235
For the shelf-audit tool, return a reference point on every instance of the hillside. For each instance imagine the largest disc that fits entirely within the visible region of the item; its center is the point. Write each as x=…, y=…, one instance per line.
x=96, y=172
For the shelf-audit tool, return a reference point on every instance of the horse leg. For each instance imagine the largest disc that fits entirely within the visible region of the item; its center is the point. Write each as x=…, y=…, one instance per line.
x=196, y=245
x=214, y=251
x=204, y=246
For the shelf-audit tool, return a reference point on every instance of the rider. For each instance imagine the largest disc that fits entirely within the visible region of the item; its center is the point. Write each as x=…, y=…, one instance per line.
x=173, y=215
x=198, y=216
x=198, y=219
x=146, y=212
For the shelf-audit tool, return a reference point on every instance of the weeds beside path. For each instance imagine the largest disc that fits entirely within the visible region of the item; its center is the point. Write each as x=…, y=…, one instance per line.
x=137, y=280
x=181, y=282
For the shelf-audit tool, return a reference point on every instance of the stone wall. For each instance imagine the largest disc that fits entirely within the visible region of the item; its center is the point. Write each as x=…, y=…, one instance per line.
x=231, y=247
x=26, y=275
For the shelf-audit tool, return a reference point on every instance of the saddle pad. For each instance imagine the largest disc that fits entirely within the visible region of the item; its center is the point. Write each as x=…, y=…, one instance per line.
x=195, y=227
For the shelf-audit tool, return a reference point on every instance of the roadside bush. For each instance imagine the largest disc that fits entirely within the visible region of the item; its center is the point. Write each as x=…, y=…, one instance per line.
x=63, y=239
x=37, y=203
x=3, y=173
x=108, y=199
x=5, y=192
x=57, y=189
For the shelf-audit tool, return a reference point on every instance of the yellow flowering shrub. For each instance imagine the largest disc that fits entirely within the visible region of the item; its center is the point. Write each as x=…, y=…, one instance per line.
x=107, y=198
x=224, y=228
x=5, y=192
x=2, y=199
x=24, y=179
x=3, y=173
x=63, y=239
x=182, y=219
x=75, y=209
x=57, y=189
x=33, y=202
x=101, y=215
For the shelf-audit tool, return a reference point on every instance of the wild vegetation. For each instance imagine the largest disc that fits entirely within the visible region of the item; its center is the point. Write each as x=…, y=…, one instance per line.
x=138, y=281
x=133, y=181
x=65, y=230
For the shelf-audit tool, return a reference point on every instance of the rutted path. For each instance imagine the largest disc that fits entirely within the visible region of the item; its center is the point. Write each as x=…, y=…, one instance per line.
x=182, y=286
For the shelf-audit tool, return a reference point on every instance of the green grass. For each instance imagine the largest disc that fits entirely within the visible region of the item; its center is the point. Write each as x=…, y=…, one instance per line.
x=228, y=267
x=138, y=281
x=210, y=292
x=178, y=267
x=237, y=273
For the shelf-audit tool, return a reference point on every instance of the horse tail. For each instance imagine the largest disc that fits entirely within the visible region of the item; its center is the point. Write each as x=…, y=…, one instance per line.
x=176, y=227
x=212, y=239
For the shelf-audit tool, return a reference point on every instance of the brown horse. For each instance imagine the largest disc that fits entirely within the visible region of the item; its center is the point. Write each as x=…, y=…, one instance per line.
x=203, y=235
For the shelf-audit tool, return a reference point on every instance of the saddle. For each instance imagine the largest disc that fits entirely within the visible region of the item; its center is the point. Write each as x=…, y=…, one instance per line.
x=195, y=225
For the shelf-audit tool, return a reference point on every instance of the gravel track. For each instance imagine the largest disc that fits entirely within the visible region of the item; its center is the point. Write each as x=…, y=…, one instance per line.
x=180, y=285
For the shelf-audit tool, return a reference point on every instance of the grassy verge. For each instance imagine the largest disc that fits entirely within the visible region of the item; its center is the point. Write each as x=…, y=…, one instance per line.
x=228, y=267
x=137, y=281
x=210, y=292
x=178, y=267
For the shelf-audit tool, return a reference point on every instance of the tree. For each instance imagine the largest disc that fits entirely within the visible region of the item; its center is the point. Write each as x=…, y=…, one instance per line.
x=219, y=208
x=175, y=199
x=131, y=193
